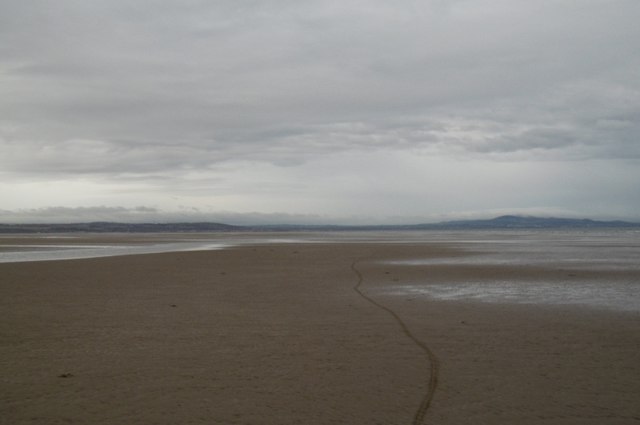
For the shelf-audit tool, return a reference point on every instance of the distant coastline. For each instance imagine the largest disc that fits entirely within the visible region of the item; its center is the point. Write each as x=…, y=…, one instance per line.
x=502, y=222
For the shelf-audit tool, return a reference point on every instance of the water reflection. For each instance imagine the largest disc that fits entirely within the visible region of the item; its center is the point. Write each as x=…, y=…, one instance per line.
x=24, y=253
x=603, y=251
x=620, y=296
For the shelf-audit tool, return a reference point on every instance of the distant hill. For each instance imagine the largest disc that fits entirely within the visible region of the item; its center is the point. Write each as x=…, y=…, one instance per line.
x=527, y=222
x=109, y=227
x=502, y=222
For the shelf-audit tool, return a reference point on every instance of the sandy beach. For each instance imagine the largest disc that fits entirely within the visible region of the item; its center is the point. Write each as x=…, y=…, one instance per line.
x=303, y=334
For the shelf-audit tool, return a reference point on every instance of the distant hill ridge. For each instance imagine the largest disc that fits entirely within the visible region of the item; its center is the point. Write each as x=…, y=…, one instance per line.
x=529, y=222
x=502, y=222
x=112, y=227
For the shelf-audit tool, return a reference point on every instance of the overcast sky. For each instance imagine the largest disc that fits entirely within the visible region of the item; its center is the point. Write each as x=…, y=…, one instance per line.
x=318, y=111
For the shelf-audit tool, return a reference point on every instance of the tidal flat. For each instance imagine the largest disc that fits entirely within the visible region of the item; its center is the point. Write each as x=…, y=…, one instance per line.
x=319, y=328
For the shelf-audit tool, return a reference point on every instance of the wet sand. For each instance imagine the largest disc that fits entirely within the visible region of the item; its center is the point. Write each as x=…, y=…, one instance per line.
x=276, y=334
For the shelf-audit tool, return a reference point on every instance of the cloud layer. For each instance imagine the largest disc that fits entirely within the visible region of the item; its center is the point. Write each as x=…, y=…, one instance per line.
x=208, y=100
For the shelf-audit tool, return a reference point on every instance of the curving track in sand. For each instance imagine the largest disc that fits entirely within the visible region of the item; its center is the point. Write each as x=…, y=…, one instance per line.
x=434, y=363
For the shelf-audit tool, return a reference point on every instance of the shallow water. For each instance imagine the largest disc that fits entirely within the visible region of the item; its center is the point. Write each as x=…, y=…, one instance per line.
x=26, y=252
x=68, y=247
x=574, y=251
x=619, y=296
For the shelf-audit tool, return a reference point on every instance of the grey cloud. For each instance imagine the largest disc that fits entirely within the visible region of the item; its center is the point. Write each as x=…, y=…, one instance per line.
x=115, y=70
x=164, y=89
x=78, y=215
